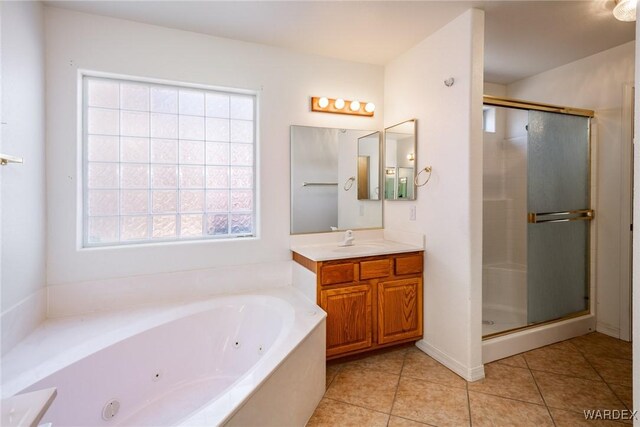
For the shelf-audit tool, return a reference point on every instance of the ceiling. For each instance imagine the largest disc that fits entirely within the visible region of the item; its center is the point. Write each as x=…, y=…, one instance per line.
x=522, y=38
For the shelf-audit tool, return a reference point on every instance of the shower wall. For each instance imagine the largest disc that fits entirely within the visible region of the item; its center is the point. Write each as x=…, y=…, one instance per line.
x=504, y=218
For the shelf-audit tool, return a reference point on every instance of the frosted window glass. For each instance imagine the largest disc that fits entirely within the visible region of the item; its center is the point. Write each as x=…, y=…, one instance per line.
x=134, y=176
x=164, y=176
x=102, y=175
x=242, y=154
x=164, y=125
x=192, y=152
x=191, y=102
x=191, y=201
x=164, y=151
x=103, y=202
x=242, y=107
x=191, y=176
x=191, y=127
x=164, y=226
x=164, y=100
x=134, y=149
x=103, y=148
x=134, y=97
x=164, y=201
x=241, y=131
x=191, y=225
x=217, y=153
x=134, y=228
x=134, y=201
x=102, y=93
x=217, y=130
x=165, y=162
x=217, y=105
x=103, y=122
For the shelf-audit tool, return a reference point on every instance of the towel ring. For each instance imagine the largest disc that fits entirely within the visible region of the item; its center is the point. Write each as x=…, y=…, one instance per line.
x=349, y=183
x=426, y=169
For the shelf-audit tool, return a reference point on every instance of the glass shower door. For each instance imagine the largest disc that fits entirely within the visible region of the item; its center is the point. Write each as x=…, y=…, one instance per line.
x=559, y=213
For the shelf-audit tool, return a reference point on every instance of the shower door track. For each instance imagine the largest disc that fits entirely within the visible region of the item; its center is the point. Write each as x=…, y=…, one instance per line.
x=527, y=105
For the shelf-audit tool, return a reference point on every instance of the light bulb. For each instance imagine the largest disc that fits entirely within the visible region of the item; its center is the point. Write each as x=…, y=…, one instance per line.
x=625, y=10
x=370, y=107
x=339, y=104
x=355, y=106
x=410, y=157
x=323, y=102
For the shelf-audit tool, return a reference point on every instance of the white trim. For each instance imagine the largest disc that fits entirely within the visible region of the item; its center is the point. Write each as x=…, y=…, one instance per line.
x=469, y=374
x=606, y=329
x=529, y=339
x=626, y=162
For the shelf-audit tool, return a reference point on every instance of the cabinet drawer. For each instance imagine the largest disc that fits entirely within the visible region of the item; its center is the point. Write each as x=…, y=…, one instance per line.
x=337, y=273
x=375, y=269
x=408, y=265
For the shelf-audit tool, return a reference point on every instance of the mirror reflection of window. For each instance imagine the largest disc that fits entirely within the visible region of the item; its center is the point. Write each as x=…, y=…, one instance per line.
x=400, y=158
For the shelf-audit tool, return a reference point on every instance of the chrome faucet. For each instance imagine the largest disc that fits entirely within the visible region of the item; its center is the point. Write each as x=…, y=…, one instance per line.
x=348, y=239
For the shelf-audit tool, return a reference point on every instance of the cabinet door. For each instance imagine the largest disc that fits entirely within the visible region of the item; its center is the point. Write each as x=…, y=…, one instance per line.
x=399, y=310
x=348, y=318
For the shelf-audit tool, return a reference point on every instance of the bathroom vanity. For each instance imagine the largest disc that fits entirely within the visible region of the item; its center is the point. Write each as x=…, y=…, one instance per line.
x=372, y=301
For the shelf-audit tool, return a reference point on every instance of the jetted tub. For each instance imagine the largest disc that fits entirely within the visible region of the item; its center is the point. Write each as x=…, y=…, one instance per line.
x=251, y=359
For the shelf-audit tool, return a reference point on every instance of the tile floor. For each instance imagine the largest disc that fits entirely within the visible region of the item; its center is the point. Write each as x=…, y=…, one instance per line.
x=543, y=387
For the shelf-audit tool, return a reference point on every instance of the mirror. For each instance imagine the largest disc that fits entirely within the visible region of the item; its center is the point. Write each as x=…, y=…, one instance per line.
x=400, y=159
x=335, y=179
x=368, y=178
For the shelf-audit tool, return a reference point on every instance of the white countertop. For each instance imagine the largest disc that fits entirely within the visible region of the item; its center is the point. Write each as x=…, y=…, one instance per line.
x=364, y=248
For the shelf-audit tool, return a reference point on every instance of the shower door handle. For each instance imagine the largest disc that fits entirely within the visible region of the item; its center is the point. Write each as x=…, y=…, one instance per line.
x=564, y=216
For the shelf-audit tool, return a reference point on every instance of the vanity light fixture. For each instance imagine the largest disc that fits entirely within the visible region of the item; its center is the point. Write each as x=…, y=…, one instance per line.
x=625, y=10
x=411, y=157
x=337, y=106
x=390, y=171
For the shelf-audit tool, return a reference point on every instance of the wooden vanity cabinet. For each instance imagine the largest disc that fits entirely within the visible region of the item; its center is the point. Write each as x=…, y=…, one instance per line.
x=371, y=302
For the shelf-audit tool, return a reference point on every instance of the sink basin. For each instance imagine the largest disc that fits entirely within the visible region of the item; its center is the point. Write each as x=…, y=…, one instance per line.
x=357, y=248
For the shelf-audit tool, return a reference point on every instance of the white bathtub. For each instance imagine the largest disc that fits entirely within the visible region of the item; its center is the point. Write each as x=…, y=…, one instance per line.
x=253, y=359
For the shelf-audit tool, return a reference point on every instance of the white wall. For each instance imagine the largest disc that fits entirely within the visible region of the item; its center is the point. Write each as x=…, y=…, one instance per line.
x=636, y=236
x=597, y=83
x=449, y=208
x=22, y=186
x=285, y=81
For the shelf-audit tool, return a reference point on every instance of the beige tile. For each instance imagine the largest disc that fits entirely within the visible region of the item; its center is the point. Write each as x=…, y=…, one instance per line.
x=332, y=371
x=496, y=411
x=516, y=361
x=562, y=360
x=431, y=403
x=599, y=344
x=624, y=393
x=363, y=387
x=403, y=422
x=574, y=419
x=613, y=371
x=389, y=361
x=420, y=366
x=575, y=394
x=505, y=381
x=332, y=413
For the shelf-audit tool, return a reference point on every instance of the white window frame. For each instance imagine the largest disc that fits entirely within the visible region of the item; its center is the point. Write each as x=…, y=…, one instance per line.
x=82, y=161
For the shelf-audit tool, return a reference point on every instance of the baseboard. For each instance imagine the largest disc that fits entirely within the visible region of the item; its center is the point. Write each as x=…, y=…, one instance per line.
x=469, y=374
x=21, y=319
x=608, y=330
x=528, y=339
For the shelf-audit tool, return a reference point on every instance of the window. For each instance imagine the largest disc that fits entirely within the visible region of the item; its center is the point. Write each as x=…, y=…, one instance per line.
x=165, y=162
x=489, y=119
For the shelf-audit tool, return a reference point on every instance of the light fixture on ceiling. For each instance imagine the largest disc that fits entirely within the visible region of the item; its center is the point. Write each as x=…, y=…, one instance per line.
x=337, y=106
x=625, y=10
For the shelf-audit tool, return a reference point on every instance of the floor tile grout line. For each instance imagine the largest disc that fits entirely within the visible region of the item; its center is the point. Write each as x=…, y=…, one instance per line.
x=469, y=404
x=358, y=406
x=535, y=381
x=510, y=398
x=395, y=394
x=624, y=405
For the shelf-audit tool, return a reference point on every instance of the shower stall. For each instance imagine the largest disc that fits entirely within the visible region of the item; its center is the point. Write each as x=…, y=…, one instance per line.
x=536, y=215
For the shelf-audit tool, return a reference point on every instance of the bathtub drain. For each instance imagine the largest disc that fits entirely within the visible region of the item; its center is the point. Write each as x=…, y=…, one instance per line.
x=110, y=410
